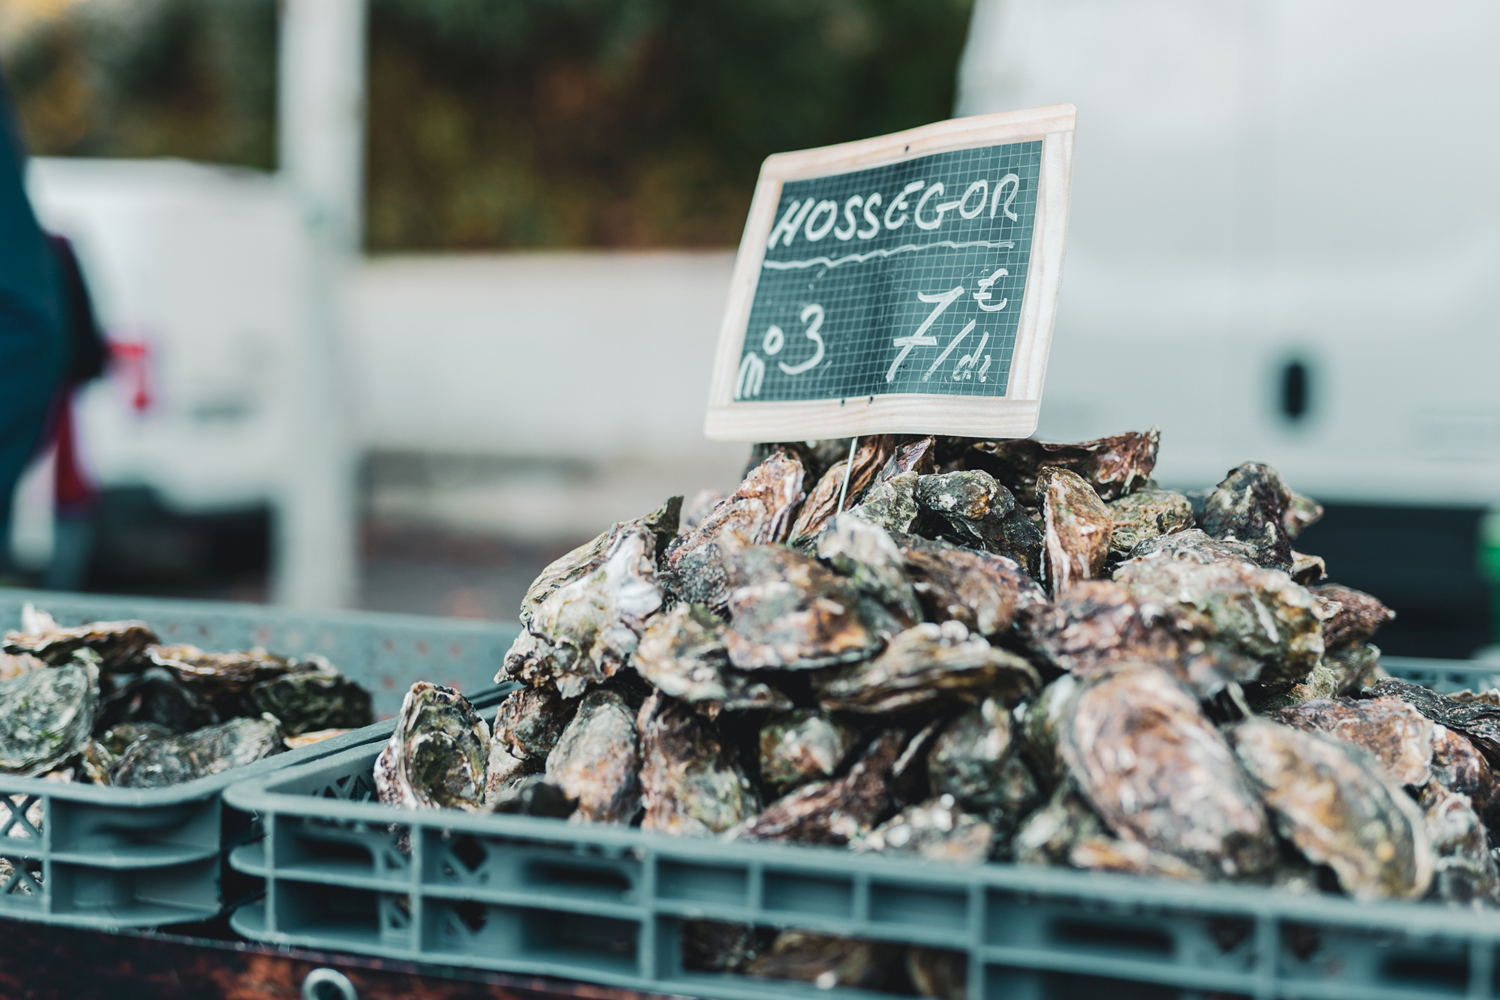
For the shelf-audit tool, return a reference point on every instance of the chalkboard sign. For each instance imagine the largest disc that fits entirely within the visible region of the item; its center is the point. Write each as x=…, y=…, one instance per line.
x=906, y=283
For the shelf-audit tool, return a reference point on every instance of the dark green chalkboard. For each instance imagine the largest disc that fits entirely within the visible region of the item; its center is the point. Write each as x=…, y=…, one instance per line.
x=850, y=291
x=879, y=274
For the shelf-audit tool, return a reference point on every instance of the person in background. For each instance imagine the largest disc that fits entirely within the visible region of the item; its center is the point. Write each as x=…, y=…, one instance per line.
x=34, y=342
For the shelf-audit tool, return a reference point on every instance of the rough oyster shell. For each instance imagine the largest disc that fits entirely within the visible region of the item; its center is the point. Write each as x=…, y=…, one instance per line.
x=1464, y=871
x=1391, y=730
x=1358, y=616
x=1076, y=533
x=1039, y=725
x=974, y=762
x=925, y=664
x=891, y=503
x=827, y=961
x=506, y=774
x=1259, y=612
x=529, y=722
x=1334, y=802
x=153, y=697
x=1158, y=772
x=1458, y=767
x=1477, y=720
x=865, y=552
x=831, y=812
x=311, y=700
x=936, y=830
x=970, y=503
x=821, y=505
x=689, y=784
x=213, y=675
x=1302, y=512
x=979, y=589
x=119, y=644
x=173, y=760
x=597, y=760
x=789, y=613
x=1147, y=514
x=1248, y=507
x=47, y=716
x=758, y=513
x=912, y=455
x=1048, y=835
x=1354, y=668
x=938, y=973
x=1128, y=857
x=803, y=746
x=437, y=753
x=683, y=654
x=1113, y=466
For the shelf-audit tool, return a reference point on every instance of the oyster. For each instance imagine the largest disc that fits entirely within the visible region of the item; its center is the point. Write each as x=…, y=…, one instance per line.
x=1075, y=540
x=790, y=613
x=682, y=653
x=803, y=746
x=694, y=511
x=892, y=504
x=689, y=784
x=1248, y=507
x=119, y=644
x=1477, y=720
x=506, y=774
x=913, y=455
x=436, y=754
x=1458, y=767
x=154, y=697
x=12, y=666
x=1307, y=569
x=1391, y=730
x=1301, y=512
x=1113, y=466
x=831, y=812
x=759, y=513
x=974, y=762
x=215, y=675
x=1355, y=668
x=1356, y=619
x=529, y=722
x=597, y=759
x=532, y=796
x=315, y=736
x=981, y=590
x=938, y=973
x=1146, y=514
x=1465, y=869
x=311, y=700
x=117, y=738
x=1159, y=773
x=925, y=664
x=1334, y=802
x=865, y=553
x=1258, y=612
x=936, y=830
x=47, y=716
x=969, y=505
x=586, y=628
x=1039, y=724
x=822, y=504
x=173, y=760
x=714, y=946
x=1048, y=835
x=1128, y=857
x=827, y=961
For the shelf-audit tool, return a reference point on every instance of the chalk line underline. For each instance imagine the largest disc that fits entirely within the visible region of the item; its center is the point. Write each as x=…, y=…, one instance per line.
x=854, y=258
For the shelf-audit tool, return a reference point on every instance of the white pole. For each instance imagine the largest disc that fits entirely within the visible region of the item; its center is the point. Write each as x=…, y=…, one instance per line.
x=320, y=124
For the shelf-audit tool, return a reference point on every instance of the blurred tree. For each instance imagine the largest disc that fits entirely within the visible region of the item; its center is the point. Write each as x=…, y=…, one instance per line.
x=514, y=123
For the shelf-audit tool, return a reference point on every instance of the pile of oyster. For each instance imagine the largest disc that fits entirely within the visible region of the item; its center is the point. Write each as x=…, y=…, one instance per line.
x=106, y=703
x=986, y=650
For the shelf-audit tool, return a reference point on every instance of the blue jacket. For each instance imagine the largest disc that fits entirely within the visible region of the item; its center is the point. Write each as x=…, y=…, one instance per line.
x=33, y=339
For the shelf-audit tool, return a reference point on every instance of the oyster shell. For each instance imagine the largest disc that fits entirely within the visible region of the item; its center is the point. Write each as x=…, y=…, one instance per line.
x=119, y=644
x=1048, y=835
x=1357, y=618
x=1039, y=725
x=937, y=973
x=1307, y=569
x=153, y=697
x=597, y=760
x=789, y=613
x=529, y=722
x=117, y=738
x=1391, y=730
x=1354, y=668
x=1146, y=514
x=1113, y=466
x=936, y=830
x=1258, y=612
x=1464, y=871
x=690, y=785
x=974, y=761
x=215, y=675
x=831, y=812
x=12, y=666
x=47, y=716
x=506, y=774
x=311, y=700
x=758, y=513
x=682, y=653
x=979, y=589
x=1158, y=772
x=714, y=946
x=1458, y=767
x=891, y=504
x=586, y=628
x=173, y=760
x=803, y=746
x=695, y=510
x=1128, y=857
x=1477, y=720
x=1301, y=512
x=436, y=754
x=865, y=553
x=827, y=961
x=970, y=504
x=925, y=664
x=870, y=456
x=911, y=455
x=1335, y=803
x=1248, y=507
x=1075, y=540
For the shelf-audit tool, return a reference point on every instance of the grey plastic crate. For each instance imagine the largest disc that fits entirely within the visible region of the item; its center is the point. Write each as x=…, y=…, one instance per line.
x=89, y=856
x=601, y=904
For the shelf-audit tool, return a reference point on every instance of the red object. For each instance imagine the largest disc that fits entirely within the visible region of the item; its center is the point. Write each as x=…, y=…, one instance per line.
x=131, y=364
x=74, y=491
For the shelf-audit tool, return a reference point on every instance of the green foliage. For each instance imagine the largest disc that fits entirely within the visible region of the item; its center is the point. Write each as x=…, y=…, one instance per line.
x=519, y=123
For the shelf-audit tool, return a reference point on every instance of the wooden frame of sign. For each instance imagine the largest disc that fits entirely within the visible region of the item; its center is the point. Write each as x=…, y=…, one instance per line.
x=734, y=414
